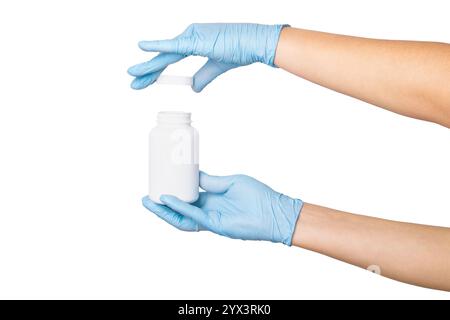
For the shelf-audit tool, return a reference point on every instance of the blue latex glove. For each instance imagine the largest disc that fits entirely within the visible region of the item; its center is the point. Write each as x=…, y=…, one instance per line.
x=227, y=45
x=237, y=207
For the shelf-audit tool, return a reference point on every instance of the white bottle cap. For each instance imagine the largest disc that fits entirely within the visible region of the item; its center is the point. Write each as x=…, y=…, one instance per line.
x=175, y=80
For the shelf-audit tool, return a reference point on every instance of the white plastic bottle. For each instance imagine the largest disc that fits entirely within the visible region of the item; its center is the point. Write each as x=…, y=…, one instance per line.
x=173, y=160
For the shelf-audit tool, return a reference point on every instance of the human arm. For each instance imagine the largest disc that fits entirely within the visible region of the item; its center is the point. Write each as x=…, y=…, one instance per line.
x=411, y=253
x=241, y=207
x=407, y=77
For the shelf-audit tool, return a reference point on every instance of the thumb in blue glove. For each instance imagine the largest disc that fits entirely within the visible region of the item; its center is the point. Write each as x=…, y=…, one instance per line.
x=237, y=207
x=227, y=45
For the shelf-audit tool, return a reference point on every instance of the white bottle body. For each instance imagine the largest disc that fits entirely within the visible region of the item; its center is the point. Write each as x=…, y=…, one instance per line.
x=173, y=158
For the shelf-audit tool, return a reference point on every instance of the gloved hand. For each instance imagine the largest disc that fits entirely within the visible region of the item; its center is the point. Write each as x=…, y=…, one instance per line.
x=237, y=207
x=227, y=45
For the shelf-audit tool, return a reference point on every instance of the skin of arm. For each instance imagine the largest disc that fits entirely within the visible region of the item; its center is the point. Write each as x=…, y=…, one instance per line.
x=407, y=252
x=411, y=78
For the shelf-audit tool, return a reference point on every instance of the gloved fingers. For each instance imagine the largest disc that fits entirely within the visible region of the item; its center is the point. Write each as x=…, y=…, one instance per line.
x=171, y=217
x=208, y=72
x=209, y=201
x=159, y=62
x=186, y=209
x=144, y=81
x=215, y=184
x=160, y=45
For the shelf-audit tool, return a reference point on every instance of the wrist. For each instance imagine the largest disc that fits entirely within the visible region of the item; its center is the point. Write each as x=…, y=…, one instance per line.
x=270, y=46
x=287, y=214
x=319, y=227
x=281, y=46
x=305, y=225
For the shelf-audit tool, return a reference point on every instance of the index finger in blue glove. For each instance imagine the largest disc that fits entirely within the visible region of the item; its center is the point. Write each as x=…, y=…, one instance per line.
x=173, y=218
x=158, y=63
x=182, y=44
x=160, y=45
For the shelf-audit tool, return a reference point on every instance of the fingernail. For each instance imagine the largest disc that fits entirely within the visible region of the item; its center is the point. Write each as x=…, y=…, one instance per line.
x=131, y=70
x=141, y=44
x=195, y=88
x=136, y=85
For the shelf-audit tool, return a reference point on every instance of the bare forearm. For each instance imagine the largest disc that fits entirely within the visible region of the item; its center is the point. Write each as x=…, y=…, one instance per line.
x=407, y=77
x=412, y=253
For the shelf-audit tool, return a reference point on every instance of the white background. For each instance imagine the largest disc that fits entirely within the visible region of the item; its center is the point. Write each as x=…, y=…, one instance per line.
x=73, y=152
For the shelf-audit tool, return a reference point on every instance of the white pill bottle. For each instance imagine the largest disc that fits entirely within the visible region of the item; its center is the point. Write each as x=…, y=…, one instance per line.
x=173, y=159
